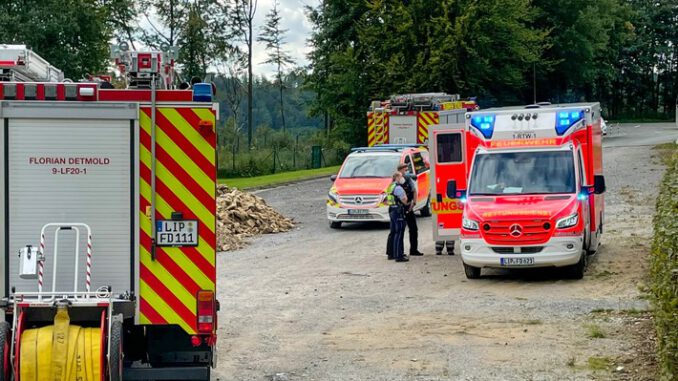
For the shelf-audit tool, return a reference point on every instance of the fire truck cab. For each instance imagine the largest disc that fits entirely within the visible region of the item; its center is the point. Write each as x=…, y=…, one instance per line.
x=521, y=186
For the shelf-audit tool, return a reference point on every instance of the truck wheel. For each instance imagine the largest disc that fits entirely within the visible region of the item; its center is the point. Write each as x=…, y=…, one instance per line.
x=116, y=356
x=335, y=224
x=426, y=210
x=576, y=271
x=5, y=342
x=471, y=271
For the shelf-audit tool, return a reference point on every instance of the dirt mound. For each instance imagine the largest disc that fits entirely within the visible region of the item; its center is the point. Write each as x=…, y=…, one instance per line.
x=241, y=215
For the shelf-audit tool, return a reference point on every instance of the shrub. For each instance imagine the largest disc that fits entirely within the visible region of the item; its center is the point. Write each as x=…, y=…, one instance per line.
x=664, y=272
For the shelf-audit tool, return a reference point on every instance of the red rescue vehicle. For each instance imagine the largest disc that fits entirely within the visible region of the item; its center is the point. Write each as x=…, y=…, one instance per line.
x=406, y=118
x=521, y=186
x=109, y=228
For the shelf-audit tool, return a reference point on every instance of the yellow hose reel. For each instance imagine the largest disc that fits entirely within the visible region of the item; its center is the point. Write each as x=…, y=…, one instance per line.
x=61, y=352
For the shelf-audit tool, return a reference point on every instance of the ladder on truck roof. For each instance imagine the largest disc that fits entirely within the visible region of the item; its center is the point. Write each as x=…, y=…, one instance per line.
x=20, y=64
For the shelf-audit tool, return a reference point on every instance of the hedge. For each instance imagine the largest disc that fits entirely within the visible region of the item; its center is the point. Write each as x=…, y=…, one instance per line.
x=664, y=272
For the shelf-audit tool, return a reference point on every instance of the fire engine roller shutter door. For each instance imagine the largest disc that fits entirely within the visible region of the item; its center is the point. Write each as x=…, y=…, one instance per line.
x=403, y=129
x=72, y=163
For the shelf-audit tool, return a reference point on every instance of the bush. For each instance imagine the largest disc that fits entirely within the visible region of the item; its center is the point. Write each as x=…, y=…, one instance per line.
x=664, y=272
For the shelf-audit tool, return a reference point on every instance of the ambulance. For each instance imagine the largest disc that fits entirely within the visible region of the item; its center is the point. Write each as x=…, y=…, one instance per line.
x=522, y=187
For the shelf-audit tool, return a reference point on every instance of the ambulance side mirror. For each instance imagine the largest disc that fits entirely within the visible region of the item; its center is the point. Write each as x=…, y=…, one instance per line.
x=599, y=184
x=411, y=176
x=333, y=177
x=452, y=189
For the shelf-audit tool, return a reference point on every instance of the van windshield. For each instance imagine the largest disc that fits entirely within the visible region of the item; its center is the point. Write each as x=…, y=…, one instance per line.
x=370, y=166
x=523, y=173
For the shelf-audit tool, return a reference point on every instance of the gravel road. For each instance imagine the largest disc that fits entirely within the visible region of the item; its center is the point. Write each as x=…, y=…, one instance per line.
x=324, y=304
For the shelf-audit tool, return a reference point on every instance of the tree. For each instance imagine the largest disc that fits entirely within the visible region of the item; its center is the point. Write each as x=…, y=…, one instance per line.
x=73, y=36
x=274, y=37
x=242, y=23
x=196, y=27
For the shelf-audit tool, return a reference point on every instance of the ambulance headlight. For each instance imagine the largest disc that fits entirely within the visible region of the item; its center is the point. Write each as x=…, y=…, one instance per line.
x=332, y=195
x=568, y=221
x=469, y=224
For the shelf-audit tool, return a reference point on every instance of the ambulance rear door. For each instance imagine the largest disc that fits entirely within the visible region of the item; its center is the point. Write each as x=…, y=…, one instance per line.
x=448, y=179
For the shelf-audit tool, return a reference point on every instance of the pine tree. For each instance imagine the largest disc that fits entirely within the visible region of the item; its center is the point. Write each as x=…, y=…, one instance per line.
x=274, y=37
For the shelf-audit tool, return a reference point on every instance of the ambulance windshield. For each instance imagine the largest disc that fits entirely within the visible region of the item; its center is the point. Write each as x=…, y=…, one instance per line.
x=370, y=166
x=523, y=173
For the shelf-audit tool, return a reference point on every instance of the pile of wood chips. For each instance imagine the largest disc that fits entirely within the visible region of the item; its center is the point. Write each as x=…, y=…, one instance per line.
x=241, y=215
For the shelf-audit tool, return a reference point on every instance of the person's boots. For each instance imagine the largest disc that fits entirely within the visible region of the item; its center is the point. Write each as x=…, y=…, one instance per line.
x=404, y=258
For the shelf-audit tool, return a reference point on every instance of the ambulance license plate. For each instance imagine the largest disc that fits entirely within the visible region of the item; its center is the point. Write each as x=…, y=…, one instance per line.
x=176, y=233
x=357, y=211
x=526, y=261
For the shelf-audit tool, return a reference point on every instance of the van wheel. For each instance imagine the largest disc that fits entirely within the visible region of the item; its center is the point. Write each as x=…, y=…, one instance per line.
x=471, y=271
x=426, y=210
x=5, y=342
x=335, y=224
x=577, y=270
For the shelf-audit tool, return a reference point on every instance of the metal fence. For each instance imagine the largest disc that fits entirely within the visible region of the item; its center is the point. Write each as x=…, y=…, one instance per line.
x=233, y=162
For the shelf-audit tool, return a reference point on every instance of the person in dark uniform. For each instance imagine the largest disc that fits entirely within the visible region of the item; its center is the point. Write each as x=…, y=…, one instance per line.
x=397, y=201
x=410, y=218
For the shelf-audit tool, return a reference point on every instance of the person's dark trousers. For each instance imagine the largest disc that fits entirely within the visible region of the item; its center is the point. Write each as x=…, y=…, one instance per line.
x=389, y=242
x=413, y=232
x=397, y=233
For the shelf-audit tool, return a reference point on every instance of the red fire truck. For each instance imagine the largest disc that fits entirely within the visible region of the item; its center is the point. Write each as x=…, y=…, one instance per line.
x=406, y=118
x=109, y=224
x=521, y=186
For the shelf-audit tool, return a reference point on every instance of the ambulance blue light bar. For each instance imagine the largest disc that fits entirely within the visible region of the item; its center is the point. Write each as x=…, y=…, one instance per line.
x=566, y=119
x=484, y=124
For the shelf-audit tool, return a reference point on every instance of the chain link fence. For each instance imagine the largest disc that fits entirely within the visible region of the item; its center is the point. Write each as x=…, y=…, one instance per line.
x=234, y=162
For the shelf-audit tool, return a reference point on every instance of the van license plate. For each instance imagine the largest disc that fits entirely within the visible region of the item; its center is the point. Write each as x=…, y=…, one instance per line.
x=524, y=135
x=176, y=233
x=358, y=211
x=526, y=261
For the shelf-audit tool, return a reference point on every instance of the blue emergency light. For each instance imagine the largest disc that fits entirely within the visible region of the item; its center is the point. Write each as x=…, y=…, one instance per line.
x=202, y=92
x=484, y=124
x=567, y=119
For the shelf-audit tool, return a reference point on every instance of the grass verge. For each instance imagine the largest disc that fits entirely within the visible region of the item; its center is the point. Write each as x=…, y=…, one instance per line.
x=664, y=271
x=278, y=178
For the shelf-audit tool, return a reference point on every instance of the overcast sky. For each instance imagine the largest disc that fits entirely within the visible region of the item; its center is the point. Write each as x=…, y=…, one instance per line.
x=299, y=29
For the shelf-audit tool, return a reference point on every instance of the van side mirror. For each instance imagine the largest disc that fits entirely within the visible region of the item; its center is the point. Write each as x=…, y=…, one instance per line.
x=599, y=184
x=411, y=176
x=452, y=189
x=333, y=177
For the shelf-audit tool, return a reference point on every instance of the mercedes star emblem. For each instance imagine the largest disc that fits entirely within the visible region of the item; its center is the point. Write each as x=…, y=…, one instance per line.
x=358, y=200
x=516, y=230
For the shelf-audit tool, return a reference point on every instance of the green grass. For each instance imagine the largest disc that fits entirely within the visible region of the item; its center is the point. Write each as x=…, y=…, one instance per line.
x=599, y=363
x=594, y=331
x=279, y=178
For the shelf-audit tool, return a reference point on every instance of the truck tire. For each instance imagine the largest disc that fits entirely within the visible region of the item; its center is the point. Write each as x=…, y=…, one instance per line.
x=335, y=224
x=5, y=342
x=471, y=271
x=426, y=210
x=577, y=270
x=116, y=355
